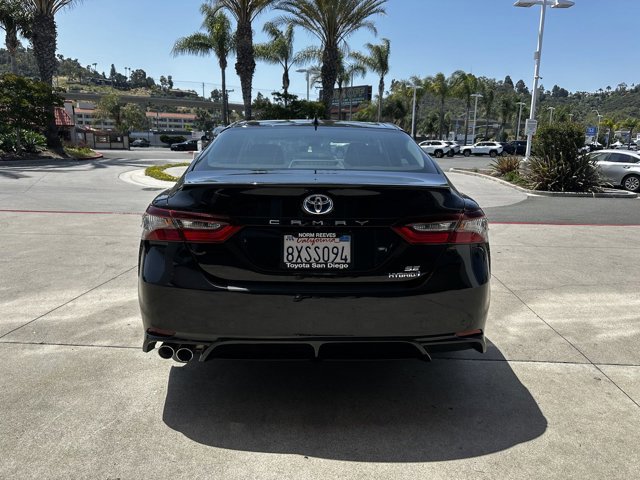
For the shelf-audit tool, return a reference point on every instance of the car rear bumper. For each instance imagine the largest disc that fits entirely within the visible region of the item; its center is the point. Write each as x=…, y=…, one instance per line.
x=217, y=322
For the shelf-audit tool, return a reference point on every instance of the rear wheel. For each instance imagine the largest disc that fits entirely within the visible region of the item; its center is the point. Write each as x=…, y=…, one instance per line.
x=439, y=154
x=504, y=153
x=493, y=154
x=631, y=183
x=450, y=154
x=467, y=153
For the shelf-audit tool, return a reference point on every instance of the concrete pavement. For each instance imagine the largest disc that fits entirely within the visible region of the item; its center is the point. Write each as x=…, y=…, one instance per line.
x=556, y=395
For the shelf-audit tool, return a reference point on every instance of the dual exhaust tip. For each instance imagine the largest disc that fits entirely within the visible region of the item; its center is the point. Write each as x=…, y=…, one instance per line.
x=179, y=353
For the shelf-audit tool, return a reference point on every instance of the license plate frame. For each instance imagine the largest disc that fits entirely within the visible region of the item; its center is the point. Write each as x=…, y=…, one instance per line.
x=317, y=251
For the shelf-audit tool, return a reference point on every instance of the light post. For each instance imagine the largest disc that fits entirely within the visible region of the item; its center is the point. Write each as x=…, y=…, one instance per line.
x=551, y=110
x=598, y=130
x=538, y=54
x=306, y=71
x=571, y=117
x=413, y=113
x=475, y=112
x=520, y=104
x=225, y=106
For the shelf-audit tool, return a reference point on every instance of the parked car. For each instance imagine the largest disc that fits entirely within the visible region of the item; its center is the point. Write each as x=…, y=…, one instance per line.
x=270, y=245
x=519, y=147
x=187, y=145
x=507, y=149
x=455, y=148
x=493, y=149
x=140, y=142
x=437, y=148
x=620, y=168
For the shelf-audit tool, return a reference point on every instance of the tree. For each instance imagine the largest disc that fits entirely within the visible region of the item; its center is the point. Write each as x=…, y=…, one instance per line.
x=521, y=88
x=216, y=40
x=204, y=121
x=244, y=12
x=332, y=22
x=279, y=51
x=508, y=83
x=631, y=124
x=378, y=62
x=125, y=117
x=466, y=84
x=507, y=109
x=441, y=87
x=488, y=90
x=26, y=104
x=138, y=78
x=13, y=20
x=113, y=72
x=43, y=37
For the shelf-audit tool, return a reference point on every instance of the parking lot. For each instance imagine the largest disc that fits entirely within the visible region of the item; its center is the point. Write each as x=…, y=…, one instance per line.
x=557, y=395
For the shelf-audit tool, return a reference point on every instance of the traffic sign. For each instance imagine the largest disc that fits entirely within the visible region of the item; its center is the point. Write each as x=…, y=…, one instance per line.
x=592, y=131
x=530, y=127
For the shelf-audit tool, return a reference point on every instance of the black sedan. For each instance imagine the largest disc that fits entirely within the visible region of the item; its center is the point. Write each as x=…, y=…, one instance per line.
x=317, y=240
x=186, y=146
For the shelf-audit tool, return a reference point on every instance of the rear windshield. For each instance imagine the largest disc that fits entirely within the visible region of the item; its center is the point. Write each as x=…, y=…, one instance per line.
x=303, y=147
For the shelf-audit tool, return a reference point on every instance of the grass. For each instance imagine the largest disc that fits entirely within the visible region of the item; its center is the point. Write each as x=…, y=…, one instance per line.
x=79, y=152
x=158, y=171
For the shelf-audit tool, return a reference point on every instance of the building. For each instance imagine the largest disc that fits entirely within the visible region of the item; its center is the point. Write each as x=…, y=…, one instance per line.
x=85, y=117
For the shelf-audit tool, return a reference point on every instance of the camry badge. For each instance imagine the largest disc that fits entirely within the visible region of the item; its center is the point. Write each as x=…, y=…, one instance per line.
x=317, y=204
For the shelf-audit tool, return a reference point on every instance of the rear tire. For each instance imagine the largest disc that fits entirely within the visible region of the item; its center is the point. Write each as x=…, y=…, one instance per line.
x=493, y=154
x=439, y=154
x=504, y=153
x=467, y=153
x=631, y=183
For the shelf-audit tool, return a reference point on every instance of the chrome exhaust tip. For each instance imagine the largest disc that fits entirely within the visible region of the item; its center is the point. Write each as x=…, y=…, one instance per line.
x=183, y=355
x=166, y=351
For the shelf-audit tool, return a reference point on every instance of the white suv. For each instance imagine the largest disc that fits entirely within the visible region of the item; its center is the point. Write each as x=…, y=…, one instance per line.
x=493, y=149
x=435, y=147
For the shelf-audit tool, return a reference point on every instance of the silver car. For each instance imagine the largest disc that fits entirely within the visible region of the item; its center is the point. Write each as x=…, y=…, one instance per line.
x=621, y=168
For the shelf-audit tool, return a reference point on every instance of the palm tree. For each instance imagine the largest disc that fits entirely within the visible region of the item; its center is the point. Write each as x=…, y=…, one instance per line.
x=244, y=12
x=43, y=36
x=217, y=41
x=279, y=51
x=378, y=62
x=465, y=85
x=43, y=33
x=13, y=20
x=331, y=21
x=441, y=87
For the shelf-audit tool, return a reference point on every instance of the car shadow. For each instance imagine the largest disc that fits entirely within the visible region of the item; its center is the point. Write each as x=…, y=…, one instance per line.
x=374, y=411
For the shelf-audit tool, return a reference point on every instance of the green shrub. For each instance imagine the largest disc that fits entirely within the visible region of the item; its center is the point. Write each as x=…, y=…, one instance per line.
x=30, y=142
x=579, y=174
x=558, y=165
x=169, y=139
x=559, y=141
x=504, y=165
x=33, y=142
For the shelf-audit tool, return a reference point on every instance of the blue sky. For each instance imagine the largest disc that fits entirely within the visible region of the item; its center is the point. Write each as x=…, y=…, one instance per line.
x=589, y=46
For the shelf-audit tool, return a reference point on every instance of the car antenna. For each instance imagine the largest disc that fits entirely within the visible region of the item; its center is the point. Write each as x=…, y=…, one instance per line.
x=315, y=123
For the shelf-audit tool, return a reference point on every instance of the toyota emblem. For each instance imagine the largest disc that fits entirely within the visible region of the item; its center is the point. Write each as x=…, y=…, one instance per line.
x=317, y=204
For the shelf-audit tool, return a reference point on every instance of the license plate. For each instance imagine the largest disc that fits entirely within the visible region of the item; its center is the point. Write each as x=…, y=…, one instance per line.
x=317, y=251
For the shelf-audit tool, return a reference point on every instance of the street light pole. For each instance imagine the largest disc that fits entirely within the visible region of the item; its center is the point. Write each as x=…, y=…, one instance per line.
x=306, y=72
x=475, y=112
x=520, y=104
x=551, y=110
x=538, y=54
x=413, y=114
x=598, y=130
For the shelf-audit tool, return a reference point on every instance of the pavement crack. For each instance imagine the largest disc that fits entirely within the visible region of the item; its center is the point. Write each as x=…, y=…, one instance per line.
x=566, y=340
x=68, y=301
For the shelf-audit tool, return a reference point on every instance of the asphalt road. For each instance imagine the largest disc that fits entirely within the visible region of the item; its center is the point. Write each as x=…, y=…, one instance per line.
x=556, y=396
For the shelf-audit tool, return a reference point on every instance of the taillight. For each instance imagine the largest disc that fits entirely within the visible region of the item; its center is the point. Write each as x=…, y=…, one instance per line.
x=174, y=226
x=469, y=227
